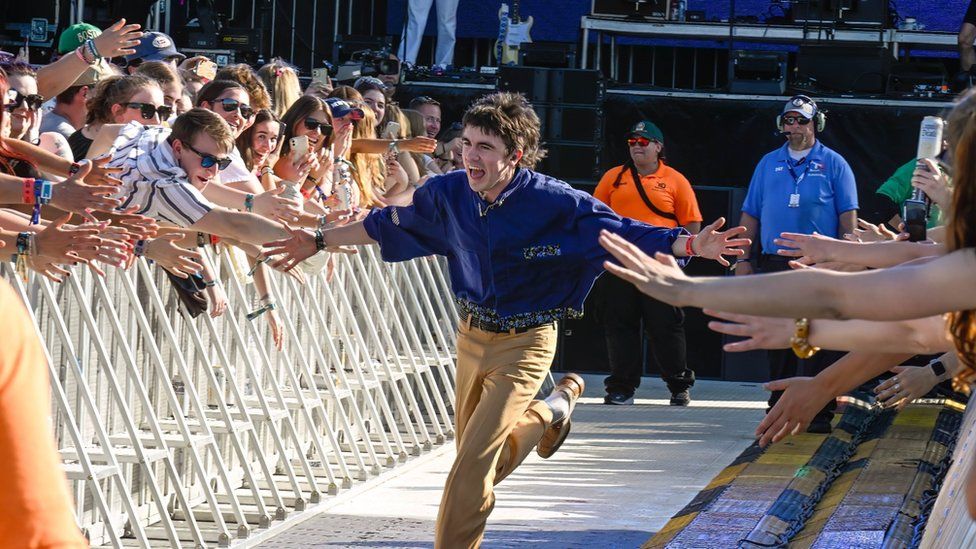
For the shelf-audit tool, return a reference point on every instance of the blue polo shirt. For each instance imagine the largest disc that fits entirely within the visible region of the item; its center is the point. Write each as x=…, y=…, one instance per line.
x=824, y=182
x=526, y=259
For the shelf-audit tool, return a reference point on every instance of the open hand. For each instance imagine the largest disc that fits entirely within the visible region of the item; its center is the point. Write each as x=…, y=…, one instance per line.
x=713, y=244
x=802, y=398
x=762, y=332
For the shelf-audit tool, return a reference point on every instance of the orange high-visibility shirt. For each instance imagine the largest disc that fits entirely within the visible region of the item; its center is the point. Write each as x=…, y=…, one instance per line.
x=666, y=188
x=35, y=509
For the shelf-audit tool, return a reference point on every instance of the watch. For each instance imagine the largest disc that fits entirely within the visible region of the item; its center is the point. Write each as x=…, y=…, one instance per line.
x=938, y=368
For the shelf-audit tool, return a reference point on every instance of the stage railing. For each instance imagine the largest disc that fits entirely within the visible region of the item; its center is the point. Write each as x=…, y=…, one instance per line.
x=178, y=431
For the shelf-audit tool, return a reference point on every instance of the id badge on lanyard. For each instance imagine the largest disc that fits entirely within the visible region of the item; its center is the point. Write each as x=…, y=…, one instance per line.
x=795, y=196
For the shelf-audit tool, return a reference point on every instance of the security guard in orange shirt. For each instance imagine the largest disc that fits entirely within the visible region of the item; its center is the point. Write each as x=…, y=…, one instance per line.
x=663, y=198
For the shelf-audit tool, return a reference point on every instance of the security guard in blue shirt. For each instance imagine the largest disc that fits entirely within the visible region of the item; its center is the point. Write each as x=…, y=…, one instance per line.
x=802, y=187
x=522, y=252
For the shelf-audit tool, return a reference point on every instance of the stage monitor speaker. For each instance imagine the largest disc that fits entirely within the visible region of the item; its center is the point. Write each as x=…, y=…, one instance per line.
x=551, y=55
x=864, y=13
x=815, y=12
x=843, y=69
x=638, y=9
x=757, y=72
x=562, y=86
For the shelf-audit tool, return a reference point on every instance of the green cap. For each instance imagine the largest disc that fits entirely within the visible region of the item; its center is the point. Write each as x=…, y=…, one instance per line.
x=75, y=35
x=646, y=128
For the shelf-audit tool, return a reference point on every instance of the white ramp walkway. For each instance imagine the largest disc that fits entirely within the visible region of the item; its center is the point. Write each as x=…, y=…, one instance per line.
x=622, y=473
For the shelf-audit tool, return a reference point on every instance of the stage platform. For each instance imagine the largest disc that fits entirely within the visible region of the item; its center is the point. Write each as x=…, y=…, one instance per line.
x=869, y=484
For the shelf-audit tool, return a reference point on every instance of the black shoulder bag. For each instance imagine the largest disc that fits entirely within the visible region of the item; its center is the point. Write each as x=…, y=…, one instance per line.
x=643, y=193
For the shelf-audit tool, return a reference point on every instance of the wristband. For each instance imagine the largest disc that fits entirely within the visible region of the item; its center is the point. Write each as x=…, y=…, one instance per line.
x=140, y=248
x=28, y=194
x=323, y=221
x=209, y=283
x=249, y=202
x=260, y=311
x=306, y=193
x=42, y=195
x=394, y=146
x=319, y=240
x=266, y=170
x=90, y=43
x=25, y=245
x=800, y=340
x=688, y=250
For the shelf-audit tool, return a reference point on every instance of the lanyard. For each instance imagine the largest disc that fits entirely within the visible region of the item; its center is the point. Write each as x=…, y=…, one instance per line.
x=801, y=177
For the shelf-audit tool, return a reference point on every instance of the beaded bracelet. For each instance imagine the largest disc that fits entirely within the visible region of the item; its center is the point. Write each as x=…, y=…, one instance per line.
x=249, y=202
x=140, y=248
x=25, y=245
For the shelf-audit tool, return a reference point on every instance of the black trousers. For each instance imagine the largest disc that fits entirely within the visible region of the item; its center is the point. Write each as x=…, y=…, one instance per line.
x=622, y=308
x=784, y=363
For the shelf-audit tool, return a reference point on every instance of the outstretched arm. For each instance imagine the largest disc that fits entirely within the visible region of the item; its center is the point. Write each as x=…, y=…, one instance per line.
x=939, y=286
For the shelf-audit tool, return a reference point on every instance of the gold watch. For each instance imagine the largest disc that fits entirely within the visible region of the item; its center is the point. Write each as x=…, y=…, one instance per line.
x=800, y=340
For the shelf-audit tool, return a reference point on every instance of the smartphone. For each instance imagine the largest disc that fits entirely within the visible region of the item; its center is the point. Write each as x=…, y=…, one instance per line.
x=299, y=146
x=321, y=75
x=206, y=69
x=392, y=130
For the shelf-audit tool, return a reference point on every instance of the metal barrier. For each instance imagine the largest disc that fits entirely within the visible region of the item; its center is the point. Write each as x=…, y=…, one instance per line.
x=176, y=430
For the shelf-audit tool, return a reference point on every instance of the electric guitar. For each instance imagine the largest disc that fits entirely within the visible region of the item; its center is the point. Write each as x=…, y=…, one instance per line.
x=512, y=32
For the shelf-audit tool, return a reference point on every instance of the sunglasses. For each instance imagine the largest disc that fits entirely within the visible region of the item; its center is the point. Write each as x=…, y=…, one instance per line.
x=642, y=141
x=32, y=101
x=148, y=111
x=231, y=105
x=323, y=127
x=209, y=160
x=790, y=120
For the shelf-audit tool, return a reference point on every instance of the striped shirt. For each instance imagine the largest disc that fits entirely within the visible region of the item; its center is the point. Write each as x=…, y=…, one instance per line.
x=153, y=179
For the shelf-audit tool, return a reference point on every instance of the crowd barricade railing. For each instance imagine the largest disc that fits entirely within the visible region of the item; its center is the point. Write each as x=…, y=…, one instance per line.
x=175, y=430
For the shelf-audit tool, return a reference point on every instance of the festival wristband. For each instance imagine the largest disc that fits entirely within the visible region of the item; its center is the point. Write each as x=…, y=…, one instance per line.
x=688, y=249
x=319, y=240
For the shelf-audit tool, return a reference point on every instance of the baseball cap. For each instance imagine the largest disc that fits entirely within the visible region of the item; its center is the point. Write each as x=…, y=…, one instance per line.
x=646, y=128
x=340, y=108
x=805, y=107
x=155, y=46
x=75, y=35
x=93, y=74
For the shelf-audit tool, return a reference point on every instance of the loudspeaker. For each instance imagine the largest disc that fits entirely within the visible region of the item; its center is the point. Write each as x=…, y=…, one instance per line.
x=651, y=9
x=567, y=123
x=540, y=85
x=757, y=72
x=844, y=69
x=904, y=78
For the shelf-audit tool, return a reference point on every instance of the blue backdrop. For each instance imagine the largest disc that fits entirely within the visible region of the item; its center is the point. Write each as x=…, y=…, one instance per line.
x=559, y=20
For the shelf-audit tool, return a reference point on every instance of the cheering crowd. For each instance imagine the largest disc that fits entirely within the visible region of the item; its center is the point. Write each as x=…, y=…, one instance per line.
x=123, y=148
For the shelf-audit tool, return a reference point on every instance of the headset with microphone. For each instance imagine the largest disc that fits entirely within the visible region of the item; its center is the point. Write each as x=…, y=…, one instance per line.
x=798, y=101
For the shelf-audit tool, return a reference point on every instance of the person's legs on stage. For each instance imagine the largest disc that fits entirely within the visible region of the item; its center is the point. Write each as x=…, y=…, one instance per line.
x=498, y=422
x=446, y=32
x=665, y=326
x=621, y=314
x=417, y=12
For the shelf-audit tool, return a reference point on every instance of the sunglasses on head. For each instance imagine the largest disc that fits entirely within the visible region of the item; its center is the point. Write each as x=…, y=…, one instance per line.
x=231, y=105
x=790, y=120
x=209, y=160
x=32, y=101
x=636, y=140
x=323, y=127
x=148, y=111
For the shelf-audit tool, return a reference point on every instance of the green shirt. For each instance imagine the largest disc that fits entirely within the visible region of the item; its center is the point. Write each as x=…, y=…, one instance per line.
x=898, y=188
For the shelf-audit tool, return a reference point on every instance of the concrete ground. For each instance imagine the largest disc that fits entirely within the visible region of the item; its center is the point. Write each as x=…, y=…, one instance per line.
x=621, y=474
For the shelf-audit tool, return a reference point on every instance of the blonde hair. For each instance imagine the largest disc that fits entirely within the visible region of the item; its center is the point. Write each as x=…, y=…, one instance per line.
x=370, y=168
x=281, y=80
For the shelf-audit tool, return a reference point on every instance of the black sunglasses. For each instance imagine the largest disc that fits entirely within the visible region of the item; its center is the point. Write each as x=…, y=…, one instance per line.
x=148, y=110
x=324, y=127
x=208, y=160
x=801, y=120
x=231, y=105
x=33, y=101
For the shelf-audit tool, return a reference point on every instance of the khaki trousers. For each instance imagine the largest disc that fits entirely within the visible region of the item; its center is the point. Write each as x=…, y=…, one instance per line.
x=497, y=423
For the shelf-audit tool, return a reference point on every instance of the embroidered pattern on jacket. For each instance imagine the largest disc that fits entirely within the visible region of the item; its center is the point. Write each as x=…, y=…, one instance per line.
x=534, y=252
